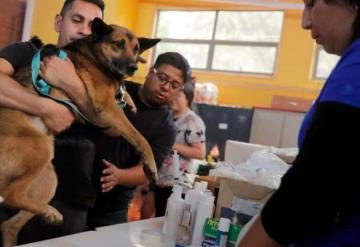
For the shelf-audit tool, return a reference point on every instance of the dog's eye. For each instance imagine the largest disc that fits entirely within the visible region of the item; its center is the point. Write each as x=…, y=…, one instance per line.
x=119, y=43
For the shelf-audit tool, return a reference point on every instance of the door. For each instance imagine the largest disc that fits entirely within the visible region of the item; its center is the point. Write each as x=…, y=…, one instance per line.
x=12, y=14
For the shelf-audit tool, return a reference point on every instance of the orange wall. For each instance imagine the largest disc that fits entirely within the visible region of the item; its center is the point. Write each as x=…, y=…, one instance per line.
x=294, y=61
x=121, y=12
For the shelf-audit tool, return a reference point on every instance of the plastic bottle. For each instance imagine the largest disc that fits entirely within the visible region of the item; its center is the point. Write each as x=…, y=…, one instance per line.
x=192, y=198
x=222, y=232
x=183, y=234
x=204, y=210
x=174, y=211
x=204, y=185
x=176, y=167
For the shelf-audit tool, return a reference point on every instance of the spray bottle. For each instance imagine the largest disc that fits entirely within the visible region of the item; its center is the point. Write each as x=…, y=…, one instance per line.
x=204, y=211
x=174, y=211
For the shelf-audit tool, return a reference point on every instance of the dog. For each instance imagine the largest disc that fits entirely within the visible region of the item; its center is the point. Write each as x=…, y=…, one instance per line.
x=27, y=177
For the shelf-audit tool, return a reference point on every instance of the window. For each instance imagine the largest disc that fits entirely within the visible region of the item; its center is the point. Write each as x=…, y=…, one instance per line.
x=325, y=63
x=234, y=41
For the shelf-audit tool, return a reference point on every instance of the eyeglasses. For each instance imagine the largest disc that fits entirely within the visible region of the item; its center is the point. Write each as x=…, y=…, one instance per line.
x=164, y=79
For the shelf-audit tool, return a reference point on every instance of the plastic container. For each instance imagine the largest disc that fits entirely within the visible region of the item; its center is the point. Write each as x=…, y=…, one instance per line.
x=183, y=234
x=176, y=167
x=205, y=210
x=174, y=211
x=222, y=232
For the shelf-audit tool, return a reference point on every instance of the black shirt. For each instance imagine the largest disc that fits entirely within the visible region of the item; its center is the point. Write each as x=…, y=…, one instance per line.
x=157, y=126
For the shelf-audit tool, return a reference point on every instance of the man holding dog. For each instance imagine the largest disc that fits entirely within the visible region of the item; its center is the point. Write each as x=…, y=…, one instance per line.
x=74, y=153
x=75, y=148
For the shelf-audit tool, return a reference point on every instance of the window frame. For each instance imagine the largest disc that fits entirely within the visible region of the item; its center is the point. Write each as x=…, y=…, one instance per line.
x=316, y=63
x=212, y=42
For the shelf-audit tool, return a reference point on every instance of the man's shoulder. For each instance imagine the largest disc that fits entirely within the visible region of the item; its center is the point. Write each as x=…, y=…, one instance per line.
x=18, y=54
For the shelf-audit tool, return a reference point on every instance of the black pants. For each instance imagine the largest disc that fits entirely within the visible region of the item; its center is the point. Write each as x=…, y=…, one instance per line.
x=161, y=196
x=37, y=229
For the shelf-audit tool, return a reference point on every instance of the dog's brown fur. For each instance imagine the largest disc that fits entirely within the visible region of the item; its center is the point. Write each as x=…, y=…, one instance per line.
x=27, y=177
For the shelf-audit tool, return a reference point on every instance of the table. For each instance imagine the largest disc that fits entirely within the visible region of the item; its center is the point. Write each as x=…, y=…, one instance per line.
x=143, y=233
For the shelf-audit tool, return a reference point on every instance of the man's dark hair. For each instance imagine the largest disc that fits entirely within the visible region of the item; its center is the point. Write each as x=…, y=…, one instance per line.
x=176, y=60
x=356, y=24
x=68, y=3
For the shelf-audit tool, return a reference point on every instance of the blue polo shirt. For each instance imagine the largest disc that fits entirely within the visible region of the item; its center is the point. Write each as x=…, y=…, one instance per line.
x=343, y=85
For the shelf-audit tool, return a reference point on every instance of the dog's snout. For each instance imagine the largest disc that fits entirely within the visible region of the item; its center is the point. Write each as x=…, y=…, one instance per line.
x=131, y=69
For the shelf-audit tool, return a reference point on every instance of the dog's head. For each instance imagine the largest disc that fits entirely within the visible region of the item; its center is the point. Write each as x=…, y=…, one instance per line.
x=119, y=47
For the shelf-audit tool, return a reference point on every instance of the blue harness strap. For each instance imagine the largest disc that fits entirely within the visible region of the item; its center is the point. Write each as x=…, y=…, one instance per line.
x=44, y=88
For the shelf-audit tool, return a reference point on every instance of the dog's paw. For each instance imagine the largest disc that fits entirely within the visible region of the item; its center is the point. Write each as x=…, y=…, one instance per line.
x=53, y=216
x=8, y=234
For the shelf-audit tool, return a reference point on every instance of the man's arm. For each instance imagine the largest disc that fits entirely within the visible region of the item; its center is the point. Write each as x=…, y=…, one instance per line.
x=12, y=95
x=257, y=237
x=161, y=144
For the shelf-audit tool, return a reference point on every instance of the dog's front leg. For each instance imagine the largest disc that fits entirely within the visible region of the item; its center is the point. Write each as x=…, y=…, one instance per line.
x=119, y=125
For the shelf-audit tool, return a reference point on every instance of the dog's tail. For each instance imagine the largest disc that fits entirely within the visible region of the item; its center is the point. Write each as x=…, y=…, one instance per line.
x=1, y=199
x=36, y=42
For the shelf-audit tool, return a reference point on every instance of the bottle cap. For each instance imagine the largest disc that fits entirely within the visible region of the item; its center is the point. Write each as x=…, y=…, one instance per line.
x=224, y=224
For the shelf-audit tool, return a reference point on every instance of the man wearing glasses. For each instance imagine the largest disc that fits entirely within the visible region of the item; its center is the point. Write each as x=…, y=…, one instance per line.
x=118, y=168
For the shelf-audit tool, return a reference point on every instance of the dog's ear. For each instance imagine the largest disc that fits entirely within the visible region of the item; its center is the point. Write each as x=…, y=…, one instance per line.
x=146, y=43
x=99, y=29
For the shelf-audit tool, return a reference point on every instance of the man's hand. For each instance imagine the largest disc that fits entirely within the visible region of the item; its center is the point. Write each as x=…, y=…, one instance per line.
x=111, y=176
x=60, y=73
x=55, y=116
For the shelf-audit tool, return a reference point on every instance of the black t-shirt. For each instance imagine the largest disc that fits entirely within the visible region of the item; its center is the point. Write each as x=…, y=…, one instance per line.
x=73, y=152
x=156, y=125
x=19, y=54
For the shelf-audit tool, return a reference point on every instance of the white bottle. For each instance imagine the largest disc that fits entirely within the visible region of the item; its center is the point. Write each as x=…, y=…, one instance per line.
x=176, y=167
x=192, y=197
x=205, y=210
x=174, y=210
x=222, y=232
x=204, y=185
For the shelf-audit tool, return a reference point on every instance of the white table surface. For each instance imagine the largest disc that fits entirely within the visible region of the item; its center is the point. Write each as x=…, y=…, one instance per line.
x=121, y=235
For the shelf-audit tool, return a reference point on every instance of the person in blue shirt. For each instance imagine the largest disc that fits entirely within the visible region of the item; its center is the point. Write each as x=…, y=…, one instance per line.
x=318, y=202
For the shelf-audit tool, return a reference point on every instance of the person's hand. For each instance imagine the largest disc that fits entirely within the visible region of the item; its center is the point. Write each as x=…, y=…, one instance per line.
x=60, y=73
x=55, y=116
x=111, y=176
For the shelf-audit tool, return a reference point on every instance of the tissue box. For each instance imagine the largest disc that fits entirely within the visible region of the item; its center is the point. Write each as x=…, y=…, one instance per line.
x=230, y=188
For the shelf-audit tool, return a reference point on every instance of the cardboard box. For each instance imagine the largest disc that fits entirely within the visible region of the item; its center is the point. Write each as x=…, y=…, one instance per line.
x=230, y=188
